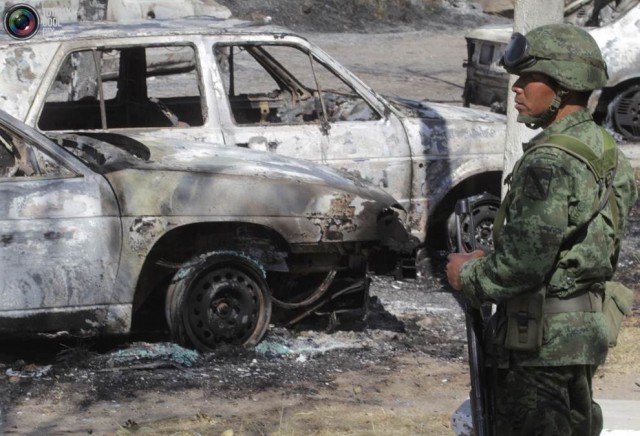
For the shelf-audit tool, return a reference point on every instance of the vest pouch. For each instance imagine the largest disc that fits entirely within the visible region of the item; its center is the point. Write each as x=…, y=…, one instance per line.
x=525, y=322
x=618, y=301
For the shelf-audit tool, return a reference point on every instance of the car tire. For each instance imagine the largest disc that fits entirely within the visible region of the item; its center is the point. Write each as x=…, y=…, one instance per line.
x=626, y=113
x=218, y=299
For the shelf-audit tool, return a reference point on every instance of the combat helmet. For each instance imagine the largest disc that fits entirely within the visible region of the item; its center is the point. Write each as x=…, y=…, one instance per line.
x=564, y=52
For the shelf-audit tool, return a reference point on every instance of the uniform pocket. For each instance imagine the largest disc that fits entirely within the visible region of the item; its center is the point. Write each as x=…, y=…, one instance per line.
x=618, y=301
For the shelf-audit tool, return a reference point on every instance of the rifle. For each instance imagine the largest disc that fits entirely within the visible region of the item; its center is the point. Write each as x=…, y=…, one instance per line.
x=479, y=395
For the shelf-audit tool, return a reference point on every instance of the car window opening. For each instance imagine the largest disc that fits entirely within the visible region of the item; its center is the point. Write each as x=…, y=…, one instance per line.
x=282, y=84
x=130, y=87
x=21, y=159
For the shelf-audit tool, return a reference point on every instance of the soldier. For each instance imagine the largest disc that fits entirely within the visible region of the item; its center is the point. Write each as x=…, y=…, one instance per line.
x=556, y=242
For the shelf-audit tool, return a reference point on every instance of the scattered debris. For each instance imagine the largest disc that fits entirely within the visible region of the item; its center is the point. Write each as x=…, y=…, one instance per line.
x=29, y=371
x=159, y=353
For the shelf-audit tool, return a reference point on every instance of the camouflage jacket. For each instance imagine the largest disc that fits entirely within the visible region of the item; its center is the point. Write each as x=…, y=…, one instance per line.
x=552, y=193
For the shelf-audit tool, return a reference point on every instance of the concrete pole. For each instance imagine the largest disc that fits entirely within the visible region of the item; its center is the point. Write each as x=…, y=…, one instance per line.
x=527, y=15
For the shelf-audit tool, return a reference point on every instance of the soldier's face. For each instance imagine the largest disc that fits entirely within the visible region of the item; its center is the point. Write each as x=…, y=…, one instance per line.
x=534, y=94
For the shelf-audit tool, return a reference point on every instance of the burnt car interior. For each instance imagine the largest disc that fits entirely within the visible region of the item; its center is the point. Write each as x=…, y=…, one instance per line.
x=18, y=158
x=268, y=83
x=102, y=151
x=130, y=87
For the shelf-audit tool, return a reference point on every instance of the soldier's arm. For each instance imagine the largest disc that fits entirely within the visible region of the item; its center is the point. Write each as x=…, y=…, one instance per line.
x=529, y=241
x=625, y=188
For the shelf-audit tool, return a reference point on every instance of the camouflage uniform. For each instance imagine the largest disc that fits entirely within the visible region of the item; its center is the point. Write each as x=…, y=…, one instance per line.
x=552, y=193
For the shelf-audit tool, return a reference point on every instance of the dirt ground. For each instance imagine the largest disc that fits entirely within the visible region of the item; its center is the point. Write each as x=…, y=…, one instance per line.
x=402, y=372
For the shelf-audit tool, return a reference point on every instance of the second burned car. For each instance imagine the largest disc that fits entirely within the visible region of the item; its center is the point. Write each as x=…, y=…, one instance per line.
x=259, y=87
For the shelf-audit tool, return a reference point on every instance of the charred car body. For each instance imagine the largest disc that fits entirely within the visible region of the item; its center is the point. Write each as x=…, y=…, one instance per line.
x=96, y=229
x=616, y=106
x=259, y=87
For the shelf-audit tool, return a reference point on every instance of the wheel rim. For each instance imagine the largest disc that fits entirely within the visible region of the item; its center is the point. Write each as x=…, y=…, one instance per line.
x=483, y=217
x=225, y=305
x=627, y=113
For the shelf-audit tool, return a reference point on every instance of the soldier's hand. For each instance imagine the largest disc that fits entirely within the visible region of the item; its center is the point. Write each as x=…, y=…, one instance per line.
x=456, y=260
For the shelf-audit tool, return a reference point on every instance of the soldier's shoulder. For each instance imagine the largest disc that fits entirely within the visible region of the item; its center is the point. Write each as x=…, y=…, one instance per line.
x=545, y=155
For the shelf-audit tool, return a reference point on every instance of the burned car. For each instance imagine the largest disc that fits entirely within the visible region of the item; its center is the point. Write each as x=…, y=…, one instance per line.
x=255, y=86
x=616, y=106
x=100, y=233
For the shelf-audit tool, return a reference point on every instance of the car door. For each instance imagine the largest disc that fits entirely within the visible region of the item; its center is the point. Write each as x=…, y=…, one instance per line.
x=60, y=236
x=288, y=98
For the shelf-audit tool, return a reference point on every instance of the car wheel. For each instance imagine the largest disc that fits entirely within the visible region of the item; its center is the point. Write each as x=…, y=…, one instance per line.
x=219, y=299
x=484, y=213
x=626, y=113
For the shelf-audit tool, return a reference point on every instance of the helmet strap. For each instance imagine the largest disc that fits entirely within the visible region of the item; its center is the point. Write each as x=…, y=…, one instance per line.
x=540, y=120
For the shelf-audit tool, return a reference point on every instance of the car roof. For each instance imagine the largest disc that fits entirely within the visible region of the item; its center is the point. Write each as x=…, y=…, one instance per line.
x=492, y=32
x=200, y=25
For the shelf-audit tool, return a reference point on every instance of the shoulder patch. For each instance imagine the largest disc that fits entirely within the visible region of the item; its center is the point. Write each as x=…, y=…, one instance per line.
x=537, y=182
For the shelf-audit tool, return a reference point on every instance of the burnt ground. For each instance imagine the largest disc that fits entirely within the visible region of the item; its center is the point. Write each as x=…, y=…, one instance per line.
x=101, y=386
x=112, y=367
x=402, y=371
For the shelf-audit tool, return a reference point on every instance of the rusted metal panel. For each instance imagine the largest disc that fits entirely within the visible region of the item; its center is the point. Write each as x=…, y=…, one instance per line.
x=446, y=131
x=306, y=193
x=448, y=146
x=85, y=320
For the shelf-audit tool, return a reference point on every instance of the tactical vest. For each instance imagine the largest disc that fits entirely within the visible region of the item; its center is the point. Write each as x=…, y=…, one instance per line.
x=525, y=313
x=602, y=167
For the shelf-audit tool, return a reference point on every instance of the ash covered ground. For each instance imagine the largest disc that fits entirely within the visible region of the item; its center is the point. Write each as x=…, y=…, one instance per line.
x=408, y=316
x=98, y=380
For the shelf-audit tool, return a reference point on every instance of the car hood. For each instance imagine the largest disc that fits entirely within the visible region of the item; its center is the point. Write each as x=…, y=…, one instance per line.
x=492, y=32
x=441, y=111
x=111, y=152
x=446, y=130
x=305, y=201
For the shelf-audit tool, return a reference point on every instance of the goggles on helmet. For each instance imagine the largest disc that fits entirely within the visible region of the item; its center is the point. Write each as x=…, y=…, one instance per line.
x=516, y=56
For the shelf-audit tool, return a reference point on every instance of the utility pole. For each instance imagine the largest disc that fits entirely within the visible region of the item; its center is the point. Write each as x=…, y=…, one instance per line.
x=527, y=15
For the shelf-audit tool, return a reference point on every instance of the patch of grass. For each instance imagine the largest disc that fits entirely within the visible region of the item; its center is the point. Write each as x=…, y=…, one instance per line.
x=330, y=419
x=624, y=358
x=335, y=418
